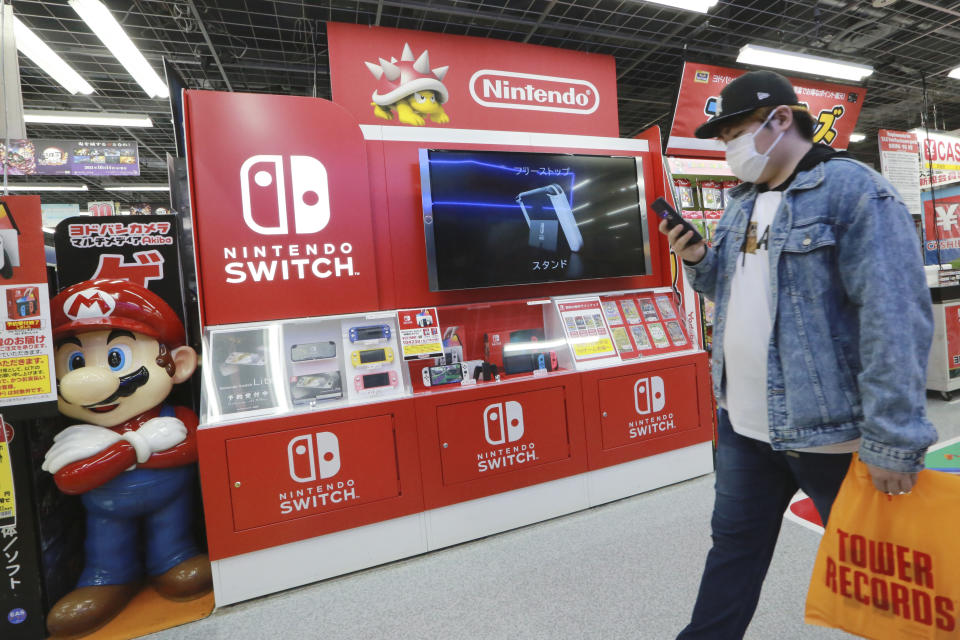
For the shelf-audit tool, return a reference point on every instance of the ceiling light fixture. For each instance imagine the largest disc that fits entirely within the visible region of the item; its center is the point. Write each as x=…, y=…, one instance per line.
x=93, y=119
x=857, y=137
x=802, y=63
x=43, y=56
x=102, y=23
x=955, y=74
x=137, y=187
x=46, y=186
x=700, y=6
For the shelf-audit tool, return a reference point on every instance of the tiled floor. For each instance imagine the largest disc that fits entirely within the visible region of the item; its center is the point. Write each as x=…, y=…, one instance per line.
x=625, y=570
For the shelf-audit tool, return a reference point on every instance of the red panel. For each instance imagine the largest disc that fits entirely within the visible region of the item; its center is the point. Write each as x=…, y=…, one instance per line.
x=378, y=454
x=640, y=408
x=554, y=90
x=836, y=107
x=21, y=226
x=469, y=422
x=650, y=407
x=495, y=436
x=410, y=278
x=281, y=207
x=299, y=473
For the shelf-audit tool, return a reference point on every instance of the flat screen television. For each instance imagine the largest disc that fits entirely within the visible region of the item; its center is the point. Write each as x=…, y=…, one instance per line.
x=495, y=218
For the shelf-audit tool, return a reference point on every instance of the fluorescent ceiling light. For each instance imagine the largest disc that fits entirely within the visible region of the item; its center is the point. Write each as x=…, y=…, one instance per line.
x=47, y=186
x=955, y=74
x=93, y=119
x=138, y=187
x=857, y=137
x=802, y=62
x=102, y=23
x=43, y=56
x=700, y=6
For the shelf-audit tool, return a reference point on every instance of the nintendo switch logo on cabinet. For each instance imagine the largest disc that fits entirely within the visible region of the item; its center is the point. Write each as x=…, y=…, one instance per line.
x=650, y=400
x=503, y=425
x=314, y=458
x=310, y=191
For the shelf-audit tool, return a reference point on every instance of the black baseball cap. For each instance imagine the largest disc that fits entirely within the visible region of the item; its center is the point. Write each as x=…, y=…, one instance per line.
x=751, y=91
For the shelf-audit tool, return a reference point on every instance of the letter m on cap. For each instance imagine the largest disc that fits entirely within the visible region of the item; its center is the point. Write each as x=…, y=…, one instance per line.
x=89, y=303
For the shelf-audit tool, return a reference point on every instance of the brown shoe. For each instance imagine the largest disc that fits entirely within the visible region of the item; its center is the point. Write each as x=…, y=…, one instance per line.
x=188, y=580
x=86, y=609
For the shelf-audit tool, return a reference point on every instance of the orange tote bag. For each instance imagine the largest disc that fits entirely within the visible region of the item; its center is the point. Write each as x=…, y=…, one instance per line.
x=888, y=567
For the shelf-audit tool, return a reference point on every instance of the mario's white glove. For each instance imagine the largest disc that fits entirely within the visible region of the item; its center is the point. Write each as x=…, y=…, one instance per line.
x=76, y=443
x=156, y=434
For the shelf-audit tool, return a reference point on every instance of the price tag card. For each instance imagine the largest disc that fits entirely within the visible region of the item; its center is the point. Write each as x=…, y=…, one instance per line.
x=420, y=335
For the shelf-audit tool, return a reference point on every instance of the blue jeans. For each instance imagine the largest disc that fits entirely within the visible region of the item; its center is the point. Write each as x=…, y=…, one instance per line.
x=754, y=485
x=141, y=517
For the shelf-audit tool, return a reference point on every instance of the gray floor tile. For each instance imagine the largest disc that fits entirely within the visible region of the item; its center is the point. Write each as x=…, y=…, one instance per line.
x=625, y=570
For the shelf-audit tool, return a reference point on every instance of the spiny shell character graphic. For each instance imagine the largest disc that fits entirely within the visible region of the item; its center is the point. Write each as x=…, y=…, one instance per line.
x=409, y=87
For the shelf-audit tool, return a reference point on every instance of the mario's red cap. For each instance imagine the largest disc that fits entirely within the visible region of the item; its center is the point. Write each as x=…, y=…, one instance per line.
x=95, y=305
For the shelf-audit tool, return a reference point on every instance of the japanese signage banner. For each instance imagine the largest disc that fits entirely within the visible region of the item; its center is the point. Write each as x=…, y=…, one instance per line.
x=940, y=152
x=942, y=225
x=420, y=333
x=70, y=158
x=586, y=330
x=26, y=343
x=141, y=249
x=834, y=107
x=404, y=78
x=899, y=151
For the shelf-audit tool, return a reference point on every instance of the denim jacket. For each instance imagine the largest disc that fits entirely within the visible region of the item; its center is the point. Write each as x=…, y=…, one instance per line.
x=852, y=317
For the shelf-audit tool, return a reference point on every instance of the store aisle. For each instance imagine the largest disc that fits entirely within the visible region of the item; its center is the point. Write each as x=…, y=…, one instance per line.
x=625, y=570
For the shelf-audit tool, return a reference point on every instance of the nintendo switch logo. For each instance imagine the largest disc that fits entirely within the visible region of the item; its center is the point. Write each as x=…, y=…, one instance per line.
x=503, y=422
x=511, y=90
x=648, y=395
x=308, y=460
x=263, y=180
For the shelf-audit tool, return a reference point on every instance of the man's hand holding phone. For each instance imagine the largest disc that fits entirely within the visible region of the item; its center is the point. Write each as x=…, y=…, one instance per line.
x=679, y=239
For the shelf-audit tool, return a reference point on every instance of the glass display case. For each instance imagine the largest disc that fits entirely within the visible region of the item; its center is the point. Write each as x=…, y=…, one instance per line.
x=316, y=364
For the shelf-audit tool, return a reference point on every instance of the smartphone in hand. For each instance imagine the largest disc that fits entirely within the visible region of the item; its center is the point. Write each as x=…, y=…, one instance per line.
x=663, y=210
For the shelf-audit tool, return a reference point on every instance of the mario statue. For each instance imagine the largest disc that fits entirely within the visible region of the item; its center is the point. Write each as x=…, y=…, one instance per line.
x=119, y=350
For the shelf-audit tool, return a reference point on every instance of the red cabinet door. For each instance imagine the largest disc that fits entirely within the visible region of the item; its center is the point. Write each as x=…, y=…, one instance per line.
x=293, y=474
x=493, y=438
x=499, y=435
x=647, y=408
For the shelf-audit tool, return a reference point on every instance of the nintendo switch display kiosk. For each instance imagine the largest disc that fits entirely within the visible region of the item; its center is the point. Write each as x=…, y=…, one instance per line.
x=546, y=373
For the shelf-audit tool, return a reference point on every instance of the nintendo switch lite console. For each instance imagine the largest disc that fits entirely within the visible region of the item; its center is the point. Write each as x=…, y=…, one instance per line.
x=313, y=351
x=561, y=207
x=369, y=332
x=317, y=386
x=375, y=380
x=444, y=374
x=372, y=356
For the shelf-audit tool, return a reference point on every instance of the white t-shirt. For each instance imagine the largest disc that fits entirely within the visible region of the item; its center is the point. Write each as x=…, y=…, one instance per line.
x=746, y=337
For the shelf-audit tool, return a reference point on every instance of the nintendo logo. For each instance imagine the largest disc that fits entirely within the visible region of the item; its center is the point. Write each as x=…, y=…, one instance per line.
x=649, y=395
x=308, y=460
x=263, y=177
x=512, y=90
x=503, y=422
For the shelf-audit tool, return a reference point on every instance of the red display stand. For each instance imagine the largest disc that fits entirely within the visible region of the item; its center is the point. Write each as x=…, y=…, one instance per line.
x=322, y=451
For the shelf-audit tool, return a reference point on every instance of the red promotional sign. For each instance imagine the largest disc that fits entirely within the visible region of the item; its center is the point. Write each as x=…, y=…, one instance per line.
x=953, y=336
x=835, y=107
x=295, y=474
x=945, y=222
x=902, y=141
x=414, y=78
x=281, y=206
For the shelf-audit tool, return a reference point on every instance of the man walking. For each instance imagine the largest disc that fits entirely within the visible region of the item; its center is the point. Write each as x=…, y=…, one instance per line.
x=822, y=333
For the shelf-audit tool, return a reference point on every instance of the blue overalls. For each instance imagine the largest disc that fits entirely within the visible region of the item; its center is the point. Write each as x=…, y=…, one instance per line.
x=159, y=500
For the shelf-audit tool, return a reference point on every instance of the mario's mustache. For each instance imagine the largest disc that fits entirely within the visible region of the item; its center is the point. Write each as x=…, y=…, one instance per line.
x=128, y=385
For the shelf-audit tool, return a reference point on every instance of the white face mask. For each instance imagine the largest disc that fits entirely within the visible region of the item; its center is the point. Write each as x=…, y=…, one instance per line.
x=744, y=159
